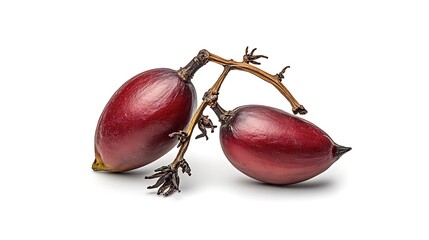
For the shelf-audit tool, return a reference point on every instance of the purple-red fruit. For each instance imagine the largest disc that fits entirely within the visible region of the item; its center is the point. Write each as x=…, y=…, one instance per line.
x=276, y=147
x=134, y=127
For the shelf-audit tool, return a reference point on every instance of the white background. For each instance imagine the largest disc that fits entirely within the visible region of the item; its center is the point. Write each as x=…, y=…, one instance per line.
x=360, y=69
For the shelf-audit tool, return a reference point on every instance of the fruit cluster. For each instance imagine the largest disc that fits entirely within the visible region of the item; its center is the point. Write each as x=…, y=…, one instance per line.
x=156, y=110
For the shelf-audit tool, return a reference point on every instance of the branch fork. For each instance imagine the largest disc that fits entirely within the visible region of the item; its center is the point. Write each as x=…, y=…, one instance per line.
x=211, y=97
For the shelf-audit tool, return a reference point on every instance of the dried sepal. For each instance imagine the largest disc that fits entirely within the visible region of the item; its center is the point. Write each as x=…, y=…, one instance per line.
x=168, y=179
x=181, y=136
x=280, y=75
x=250, y=58
x=185, y=167
x=203, y=123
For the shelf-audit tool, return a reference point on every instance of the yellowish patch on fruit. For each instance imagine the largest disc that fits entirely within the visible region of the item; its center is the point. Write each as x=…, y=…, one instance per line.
x=98, y=164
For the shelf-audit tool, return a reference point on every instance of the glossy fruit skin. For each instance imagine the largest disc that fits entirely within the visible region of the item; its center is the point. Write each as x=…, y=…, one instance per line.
x=134, y=126
x=276, y=147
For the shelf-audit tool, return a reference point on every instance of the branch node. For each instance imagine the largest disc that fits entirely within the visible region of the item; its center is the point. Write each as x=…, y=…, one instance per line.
x=211, y=97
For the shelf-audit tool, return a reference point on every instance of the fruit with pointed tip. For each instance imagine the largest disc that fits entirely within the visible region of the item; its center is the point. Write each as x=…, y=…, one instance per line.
x=276, y=147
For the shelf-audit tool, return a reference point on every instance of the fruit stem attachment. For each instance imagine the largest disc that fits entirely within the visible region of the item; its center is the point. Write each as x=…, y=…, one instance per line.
x=221, y=113
x=187, y=72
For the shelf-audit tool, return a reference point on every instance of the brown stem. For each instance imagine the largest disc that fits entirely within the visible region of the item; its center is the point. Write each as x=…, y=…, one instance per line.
x=188, y=71
x=169, y=174
x=209, y=99
x=222, y=114
x=272, y=79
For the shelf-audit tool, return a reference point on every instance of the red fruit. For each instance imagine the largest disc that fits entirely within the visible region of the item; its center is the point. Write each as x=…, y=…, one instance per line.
x=134, y=126
x=276, y=147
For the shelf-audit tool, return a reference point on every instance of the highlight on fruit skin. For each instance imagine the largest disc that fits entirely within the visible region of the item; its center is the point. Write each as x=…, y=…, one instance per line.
x=134, y=127
x=276, y=147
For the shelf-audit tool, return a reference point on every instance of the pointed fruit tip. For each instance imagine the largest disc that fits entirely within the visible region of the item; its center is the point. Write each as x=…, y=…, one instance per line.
x=341, y=150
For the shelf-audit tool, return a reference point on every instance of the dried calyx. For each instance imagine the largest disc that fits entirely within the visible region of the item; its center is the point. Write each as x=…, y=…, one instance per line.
x=168, y=178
